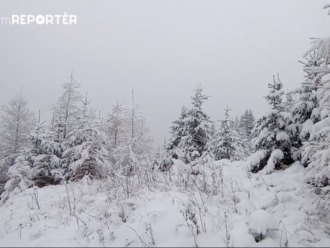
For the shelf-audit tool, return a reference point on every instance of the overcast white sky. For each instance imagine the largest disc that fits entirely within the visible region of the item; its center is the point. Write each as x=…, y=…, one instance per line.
x=161, y=49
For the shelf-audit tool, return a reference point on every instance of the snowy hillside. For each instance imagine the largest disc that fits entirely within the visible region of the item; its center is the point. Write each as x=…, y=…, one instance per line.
x=222, y=205
x=82, y=175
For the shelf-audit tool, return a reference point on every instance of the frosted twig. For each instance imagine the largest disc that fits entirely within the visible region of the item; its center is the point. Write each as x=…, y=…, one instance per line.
x=264, y=183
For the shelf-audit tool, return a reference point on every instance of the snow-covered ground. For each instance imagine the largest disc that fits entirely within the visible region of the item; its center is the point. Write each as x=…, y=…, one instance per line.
x=222, y=206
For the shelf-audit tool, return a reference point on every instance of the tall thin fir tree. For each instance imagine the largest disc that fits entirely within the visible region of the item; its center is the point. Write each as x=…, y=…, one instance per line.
x=223, y=144
x=115, y=123
x=245, y=128
x=115, y=129
x=236, y=123
x=133, y=154
x=66, y=111
x=214, y=135
x=198, y=124
x=230, y=144
x=250, y=123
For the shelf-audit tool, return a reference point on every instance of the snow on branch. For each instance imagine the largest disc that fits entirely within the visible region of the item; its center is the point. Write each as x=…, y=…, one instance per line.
x=321, y=48
x=326, y=7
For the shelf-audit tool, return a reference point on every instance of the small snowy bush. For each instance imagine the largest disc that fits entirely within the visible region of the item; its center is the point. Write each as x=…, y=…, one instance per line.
x=258, y=160
x=260, y=222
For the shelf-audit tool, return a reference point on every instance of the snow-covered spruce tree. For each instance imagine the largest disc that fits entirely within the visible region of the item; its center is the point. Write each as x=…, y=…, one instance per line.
x=316, y=71
x=86, y=153
x=178, y=131
x=237, y=123
x=246, y=123
x=37, y=164
x=46, y=154
x=66, y=111
x=223, y=145
x=270, y=133
x=230, y=144
x=15, y=125
x=199, y=124
x=190, y=135
x=304, y=111
x=212, y=144
x=19, y=174
x=115, y=129
x=250, y=122
x=244, y=133
x=316, y=152
x=133, y=154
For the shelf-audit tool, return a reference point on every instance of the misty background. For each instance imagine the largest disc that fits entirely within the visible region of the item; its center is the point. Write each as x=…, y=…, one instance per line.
x=162, y=50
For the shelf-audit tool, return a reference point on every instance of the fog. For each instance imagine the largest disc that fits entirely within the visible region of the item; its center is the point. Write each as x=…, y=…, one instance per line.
x=161, y=50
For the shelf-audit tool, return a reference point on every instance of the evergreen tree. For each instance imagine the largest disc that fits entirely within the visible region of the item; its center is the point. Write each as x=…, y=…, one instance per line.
x=270, y=132
x=133, y=154
x=66, y=111
x=237, y=123
x=198, y=124
x=212, y=144
x=316, y=151
x=191, y=132
x=178, y=131
x=15, y=125
x=19, y=175
x=86, y=154
x=304, y=111
x=115, y=124
x=245, y=125
x=250, y=123
x=229, y=144
x=115, y=130
x=45, y=156
x=223, y=146
x=37, y=164
x=245, y=128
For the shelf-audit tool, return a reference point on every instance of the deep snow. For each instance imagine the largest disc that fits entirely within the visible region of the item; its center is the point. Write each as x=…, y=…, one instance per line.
x=169, y=213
